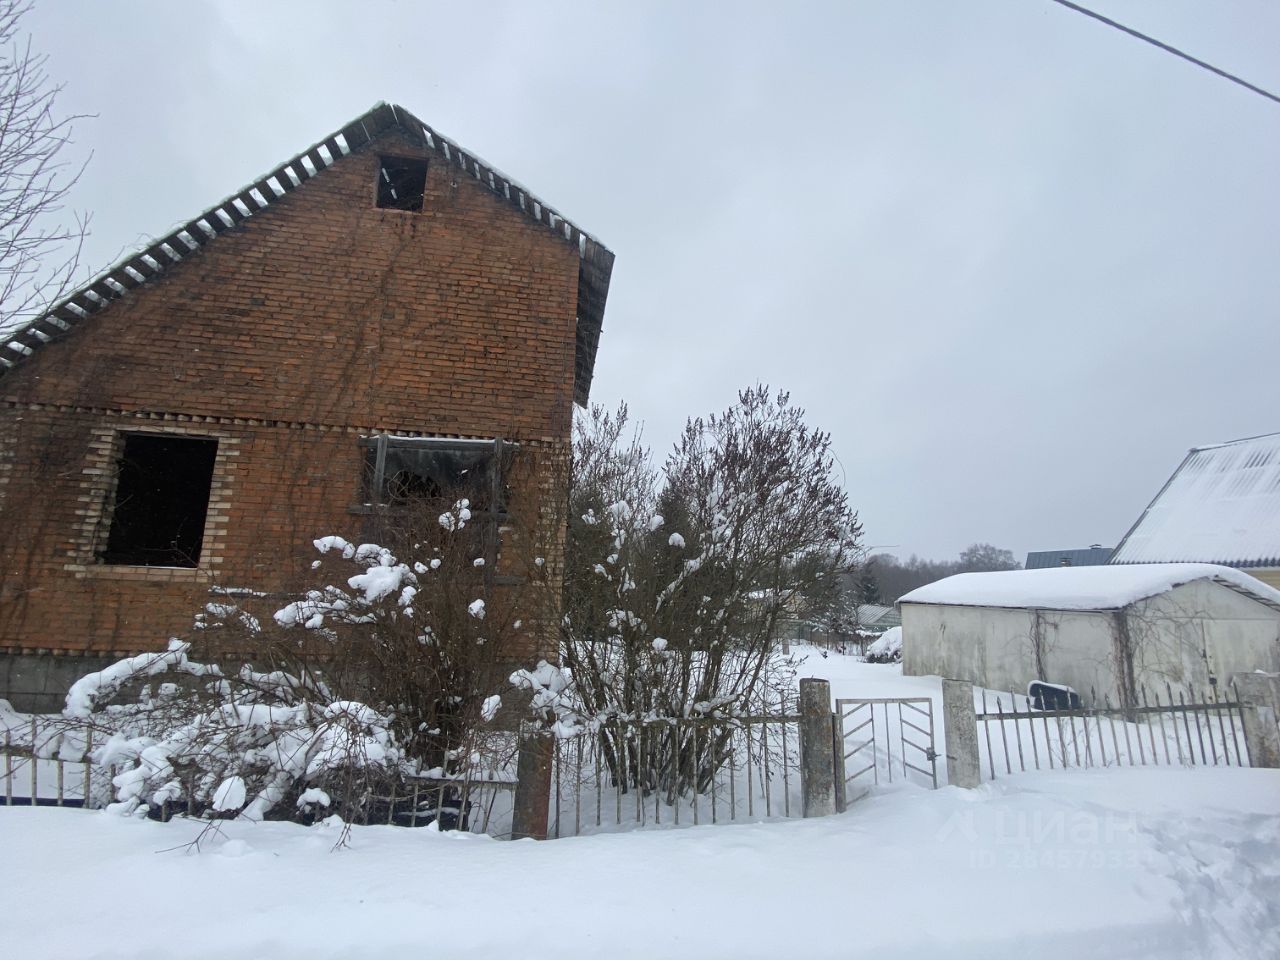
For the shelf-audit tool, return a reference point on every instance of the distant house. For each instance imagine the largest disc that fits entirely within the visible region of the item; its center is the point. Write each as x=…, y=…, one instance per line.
x=1083, y=557
x=1222, y=505
x=379, y=320
x=877, y=618
x=1104, y=630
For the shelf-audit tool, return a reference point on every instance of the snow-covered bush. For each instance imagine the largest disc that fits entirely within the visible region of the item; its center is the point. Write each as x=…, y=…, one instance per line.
x=388, y=669
x=887, y=648
x=197, y=737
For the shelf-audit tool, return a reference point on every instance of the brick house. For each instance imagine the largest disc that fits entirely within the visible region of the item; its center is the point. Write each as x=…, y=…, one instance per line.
x=380, y=306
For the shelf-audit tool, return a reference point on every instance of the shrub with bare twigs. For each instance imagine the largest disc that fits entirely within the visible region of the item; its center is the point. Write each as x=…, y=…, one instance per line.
x=676, y=578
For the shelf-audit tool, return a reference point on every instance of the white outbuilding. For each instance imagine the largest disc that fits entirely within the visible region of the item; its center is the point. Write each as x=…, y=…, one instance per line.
x=1103, y=630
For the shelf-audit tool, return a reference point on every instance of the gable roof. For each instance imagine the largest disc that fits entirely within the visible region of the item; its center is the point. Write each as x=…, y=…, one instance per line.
x=1222, y=505
x=595, y=261
x=1083, y=588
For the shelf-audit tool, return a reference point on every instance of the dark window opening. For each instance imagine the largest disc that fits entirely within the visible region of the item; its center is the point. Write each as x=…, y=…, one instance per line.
x=402, y=183
x=162, y=498
x=403, y=471
x=405, y=485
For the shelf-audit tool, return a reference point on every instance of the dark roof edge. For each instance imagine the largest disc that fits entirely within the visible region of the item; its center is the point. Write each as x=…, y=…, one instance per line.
x=595, y=260
x=1115, y=554
x=1245, y=592
x=1230, y=443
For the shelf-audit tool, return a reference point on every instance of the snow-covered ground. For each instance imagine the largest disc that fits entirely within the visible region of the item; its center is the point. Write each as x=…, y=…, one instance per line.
x=1137, y=863
x=1107, y=863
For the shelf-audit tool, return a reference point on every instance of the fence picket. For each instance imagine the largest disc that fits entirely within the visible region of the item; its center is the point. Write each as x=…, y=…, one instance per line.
x=1004, y=738
x=695, y=775
x=1151, y=733
x=1088, y=740
x=1097, y=722
x=577, y=794
x=1177, y=737
x=1017, y=732
x=1035, y=752
x=786, y=775
x=35, y=781
x=1191, y=749
x=1231, y=719
x=764, y=774
x=1235, y=695
x=1048, y=740
x=1143, y=710
x=1128, y=746
x=986, y=733
x=1222, y=729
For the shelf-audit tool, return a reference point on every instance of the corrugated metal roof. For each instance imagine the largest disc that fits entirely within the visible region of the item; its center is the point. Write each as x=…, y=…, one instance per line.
x=878, y=615
x=1222, y=505
x=1083, y=557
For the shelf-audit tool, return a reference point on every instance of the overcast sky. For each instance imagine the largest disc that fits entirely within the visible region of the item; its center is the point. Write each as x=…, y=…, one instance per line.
x=1016, y=262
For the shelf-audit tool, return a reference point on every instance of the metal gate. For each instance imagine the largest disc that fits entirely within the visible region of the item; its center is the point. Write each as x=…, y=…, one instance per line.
x=885, y=739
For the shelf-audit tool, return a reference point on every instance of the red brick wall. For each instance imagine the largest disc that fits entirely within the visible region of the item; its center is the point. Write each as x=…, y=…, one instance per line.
x=318, y=320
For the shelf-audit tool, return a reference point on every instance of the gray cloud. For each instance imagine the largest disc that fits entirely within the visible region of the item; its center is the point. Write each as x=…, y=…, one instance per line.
x=1015, y=262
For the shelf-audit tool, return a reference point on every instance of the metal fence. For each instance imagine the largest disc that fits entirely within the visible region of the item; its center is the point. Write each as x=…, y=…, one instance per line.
x=673, y=772
x=472, y=804
x=1185, y=728
x=44, y=761
x=883, y=739
x=670, y=772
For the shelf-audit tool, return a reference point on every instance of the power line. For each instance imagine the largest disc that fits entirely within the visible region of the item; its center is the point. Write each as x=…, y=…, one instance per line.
x=1168, y=49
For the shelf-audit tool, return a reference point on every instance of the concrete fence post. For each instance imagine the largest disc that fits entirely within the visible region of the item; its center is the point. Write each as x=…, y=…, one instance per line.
x=532, y=804
x=961, y=723
x=1260, y=710
x=817, y=759
x=837, y=757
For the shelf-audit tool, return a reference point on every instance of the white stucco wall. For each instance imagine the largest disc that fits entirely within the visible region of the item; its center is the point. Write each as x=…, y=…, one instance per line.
x=1201, y=630
x=1180, y=637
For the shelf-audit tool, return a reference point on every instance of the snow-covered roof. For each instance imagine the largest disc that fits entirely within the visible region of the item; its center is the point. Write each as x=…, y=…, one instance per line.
x=595, y=261
x=1222, y=505
x=1083, y=588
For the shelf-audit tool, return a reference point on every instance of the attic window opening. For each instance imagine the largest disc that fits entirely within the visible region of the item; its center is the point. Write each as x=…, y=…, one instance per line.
x=402, y=183
x=401, y=472
x=163, y=483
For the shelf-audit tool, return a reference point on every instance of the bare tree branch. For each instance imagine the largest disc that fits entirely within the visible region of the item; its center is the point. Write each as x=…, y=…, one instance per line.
x=40, y=245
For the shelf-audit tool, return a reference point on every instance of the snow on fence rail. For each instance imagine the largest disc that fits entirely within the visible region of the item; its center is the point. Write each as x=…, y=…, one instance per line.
x=670, y=772
x=44, y=761
x=1186, y=729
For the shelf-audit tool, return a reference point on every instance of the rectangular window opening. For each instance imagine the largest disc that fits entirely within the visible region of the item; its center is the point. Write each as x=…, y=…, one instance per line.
x=162, y=499
x=402, y=472
x=402, y=183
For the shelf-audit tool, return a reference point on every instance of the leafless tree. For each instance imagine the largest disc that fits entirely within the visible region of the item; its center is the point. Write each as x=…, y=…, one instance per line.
x=895, y=578
x=676, y=579
x=39, y=245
